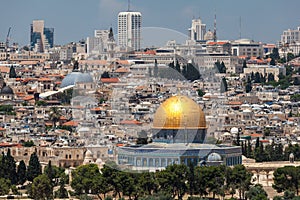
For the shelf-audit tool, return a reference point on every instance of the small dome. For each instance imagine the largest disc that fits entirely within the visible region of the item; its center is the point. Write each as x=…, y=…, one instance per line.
x=234, y=130
x=7, y=90
x=74, y=77
x=214, y=157
x=88, y=154
x=209, y=35
x=99, y=161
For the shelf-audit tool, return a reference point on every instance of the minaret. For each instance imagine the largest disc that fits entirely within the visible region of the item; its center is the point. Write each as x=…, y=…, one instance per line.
x=111, y=44
x=215, y=28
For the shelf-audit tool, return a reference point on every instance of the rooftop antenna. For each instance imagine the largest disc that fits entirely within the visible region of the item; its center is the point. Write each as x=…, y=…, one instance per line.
x=128, y=5
x=215, y=27
x=240, y=36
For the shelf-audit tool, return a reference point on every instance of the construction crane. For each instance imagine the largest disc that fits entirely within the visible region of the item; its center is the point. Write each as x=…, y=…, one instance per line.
x=7, y=38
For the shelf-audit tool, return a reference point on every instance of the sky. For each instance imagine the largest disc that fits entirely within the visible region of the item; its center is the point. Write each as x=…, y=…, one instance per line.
x=73, y=20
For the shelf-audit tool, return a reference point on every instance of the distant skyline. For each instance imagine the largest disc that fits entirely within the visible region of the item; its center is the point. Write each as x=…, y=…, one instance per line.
x=74, y=20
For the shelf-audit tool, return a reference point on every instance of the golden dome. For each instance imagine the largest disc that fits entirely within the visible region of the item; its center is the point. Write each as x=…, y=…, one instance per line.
x=179, y=112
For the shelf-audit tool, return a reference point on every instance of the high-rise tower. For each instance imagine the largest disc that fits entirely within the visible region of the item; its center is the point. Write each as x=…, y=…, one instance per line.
x=41, y=38
x=198, y=30
x=129, y=30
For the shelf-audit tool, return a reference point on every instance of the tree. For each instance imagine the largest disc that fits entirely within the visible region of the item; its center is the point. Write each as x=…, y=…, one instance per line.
x=257, y=192
x=41, y=188
x=248, y=87
x=147, y=183
x=201, y=180
x=21, y=172
x=155, y=70
x=49, y=171
x=4, y=186
x=101, y=186
x=272, y=62
x=200, y=92
x=61, y=193
x=177, y=66
x=172, y=180
x=190, y=72
x=244, y=64
x=127, y=184
x=216, y=180
x=257, y=77
x=105, y=75
x=249, y=150
x=275, y=54
x=34, y=168
x=224, y=85
x=287, y=178
x=110, y=172
x=290, y=57
x=8, y=167
x=223, y=67
x=220, y=67
x=271, y=77
x=241, y=178
x=54, y=116
x=191, y=178
x=12, y=72
x=84, y=179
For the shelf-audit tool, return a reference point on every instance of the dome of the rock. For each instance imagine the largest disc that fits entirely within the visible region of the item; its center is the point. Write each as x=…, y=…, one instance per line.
x=179, y=112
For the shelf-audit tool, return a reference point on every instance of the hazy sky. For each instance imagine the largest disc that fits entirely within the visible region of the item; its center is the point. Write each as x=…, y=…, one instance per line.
x=262, y=20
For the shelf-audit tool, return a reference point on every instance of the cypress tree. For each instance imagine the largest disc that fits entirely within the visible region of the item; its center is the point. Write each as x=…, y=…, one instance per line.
x=49, y=171
x=11, y=167
x=249, y=150
x=34, y=168
x=12, y=72
x=21, y=172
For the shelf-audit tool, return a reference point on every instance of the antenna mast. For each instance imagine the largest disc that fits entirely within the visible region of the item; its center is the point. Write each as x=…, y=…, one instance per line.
x=128, y=5
x=240, y=27
x=215, y=28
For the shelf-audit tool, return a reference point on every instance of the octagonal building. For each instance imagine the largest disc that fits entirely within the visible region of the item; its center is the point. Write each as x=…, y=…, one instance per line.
x=178, y=135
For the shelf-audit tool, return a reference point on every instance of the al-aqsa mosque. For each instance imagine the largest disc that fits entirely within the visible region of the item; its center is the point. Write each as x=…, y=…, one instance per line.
x=178, y=135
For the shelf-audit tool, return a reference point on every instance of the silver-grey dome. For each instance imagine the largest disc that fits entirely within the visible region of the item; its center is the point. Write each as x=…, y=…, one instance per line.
x=7, y=90
x=214, y=157
x=75, y=77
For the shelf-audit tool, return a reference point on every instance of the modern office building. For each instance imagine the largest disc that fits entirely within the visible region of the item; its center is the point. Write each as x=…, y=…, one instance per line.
x=290, y=36
x=178, y=134
x=41, y=38
x=129, y=30
x=198, y=30
x=247, y=48
x=98, y=43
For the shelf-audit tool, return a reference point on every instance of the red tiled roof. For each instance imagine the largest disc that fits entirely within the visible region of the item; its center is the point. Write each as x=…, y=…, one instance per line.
x=29, y=97
x=4, y=69
x=256, y=135
x=70, y=123
x=44, y=79
x=219, y=43
x=96, y=109
x=122, y=70
x=109, y=80
x=62, y=118
x=130, y=122
x=235, y=103
x=28, y=62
